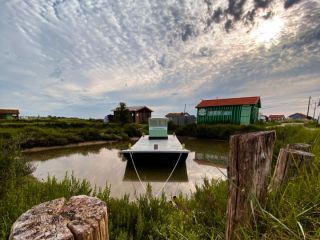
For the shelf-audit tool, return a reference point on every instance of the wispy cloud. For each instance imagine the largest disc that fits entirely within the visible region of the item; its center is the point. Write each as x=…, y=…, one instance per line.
x=79, y=58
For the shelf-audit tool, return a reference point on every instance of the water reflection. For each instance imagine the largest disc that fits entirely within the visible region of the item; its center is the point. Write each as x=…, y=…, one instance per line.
x=103, y=165
x=156, y=173
x=69, y=151
x=219, y=160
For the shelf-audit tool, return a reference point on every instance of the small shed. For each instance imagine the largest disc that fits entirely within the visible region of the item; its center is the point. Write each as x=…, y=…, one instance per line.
x=181, y=118
x=277, y=117
x=299, y=116
x=9, y=113
x=244, y=110
x=139, y=114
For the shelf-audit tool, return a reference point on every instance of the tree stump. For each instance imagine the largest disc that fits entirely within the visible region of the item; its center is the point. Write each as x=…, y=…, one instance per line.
x=300, y=146
x=289, y=163
x=80, y=218
x=250, y=160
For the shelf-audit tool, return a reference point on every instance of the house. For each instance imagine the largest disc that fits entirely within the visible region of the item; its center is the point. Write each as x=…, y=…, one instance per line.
x=277, y=118
x=9, y=113
x=181, y=118
x=244, y=110
x=138, y=114
x=263, y=118
x=299, y=116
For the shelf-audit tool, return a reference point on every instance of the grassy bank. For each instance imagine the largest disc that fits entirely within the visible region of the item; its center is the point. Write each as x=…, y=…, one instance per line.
x=292, y=212
x=44, y=132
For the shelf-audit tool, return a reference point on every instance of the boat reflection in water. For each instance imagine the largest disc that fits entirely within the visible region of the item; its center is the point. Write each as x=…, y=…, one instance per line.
x=211, y=159
x=156, y=172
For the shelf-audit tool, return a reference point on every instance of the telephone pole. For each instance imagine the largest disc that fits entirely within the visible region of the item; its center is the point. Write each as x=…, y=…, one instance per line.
x=308, y=106
x=314, y=110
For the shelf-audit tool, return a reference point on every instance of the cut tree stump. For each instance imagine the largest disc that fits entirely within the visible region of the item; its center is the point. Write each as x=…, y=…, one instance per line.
x=80, y=218
x=290, y=162
x=300, y=146
x=248, y=169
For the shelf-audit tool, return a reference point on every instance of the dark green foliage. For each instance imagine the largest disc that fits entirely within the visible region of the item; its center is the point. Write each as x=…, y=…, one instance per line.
x=172, y=127
x=122, y=114
x=133, y=130
x=61, y=131
x=215, y=131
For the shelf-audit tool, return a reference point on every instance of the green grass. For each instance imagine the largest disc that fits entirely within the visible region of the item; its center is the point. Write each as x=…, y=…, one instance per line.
x=292, y=212
x=146, y=218
x=214, y=131
x=45, y=132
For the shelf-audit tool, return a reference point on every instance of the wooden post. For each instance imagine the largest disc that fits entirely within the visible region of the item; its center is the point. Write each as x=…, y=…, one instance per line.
x=289, y=163
x=249, y=165
x=81, y=218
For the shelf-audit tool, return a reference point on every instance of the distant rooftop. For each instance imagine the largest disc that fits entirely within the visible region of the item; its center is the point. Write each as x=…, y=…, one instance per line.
x=135, y=108
x=177, y=114
x=9, y=111
x=230, y=102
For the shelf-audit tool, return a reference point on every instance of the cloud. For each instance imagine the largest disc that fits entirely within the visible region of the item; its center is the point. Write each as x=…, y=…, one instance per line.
x=78, y=58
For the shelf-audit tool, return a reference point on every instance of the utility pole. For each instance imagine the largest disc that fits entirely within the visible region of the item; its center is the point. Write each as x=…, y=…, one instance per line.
x=308, y=106
x=314, y=110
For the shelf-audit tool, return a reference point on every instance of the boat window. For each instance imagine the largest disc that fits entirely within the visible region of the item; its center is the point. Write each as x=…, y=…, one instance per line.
x=158, y=122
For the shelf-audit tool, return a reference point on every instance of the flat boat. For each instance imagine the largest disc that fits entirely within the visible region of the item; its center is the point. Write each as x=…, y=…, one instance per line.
x=157, y=146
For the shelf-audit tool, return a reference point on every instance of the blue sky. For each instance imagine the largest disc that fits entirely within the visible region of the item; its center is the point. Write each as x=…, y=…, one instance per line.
x=82, y=57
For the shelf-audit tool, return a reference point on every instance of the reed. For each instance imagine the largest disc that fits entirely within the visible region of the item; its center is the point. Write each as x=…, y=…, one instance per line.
x=292, y=212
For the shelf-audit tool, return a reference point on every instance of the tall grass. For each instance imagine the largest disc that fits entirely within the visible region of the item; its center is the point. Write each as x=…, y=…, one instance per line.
x=292, y=212
x=61, y=131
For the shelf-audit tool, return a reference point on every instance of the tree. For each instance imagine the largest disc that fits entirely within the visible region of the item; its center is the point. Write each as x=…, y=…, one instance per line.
x=122, y=113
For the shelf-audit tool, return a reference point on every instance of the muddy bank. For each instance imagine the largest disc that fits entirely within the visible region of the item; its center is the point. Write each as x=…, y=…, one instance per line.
x=38, y=149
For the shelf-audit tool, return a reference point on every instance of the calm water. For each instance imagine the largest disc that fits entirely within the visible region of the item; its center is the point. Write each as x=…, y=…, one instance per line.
x=103, y=164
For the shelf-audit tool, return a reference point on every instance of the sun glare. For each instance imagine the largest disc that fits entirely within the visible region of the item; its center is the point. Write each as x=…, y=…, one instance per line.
x=268, y=31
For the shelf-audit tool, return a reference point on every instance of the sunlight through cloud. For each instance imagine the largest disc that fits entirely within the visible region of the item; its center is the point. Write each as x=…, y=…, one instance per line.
x=268, y=31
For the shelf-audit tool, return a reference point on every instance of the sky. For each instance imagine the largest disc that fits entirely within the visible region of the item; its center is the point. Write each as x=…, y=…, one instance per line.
x=80, y=58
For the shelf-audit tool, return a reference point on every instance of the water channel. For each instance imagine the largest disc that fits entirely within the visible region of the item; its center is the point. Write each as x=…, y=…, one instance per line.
x=103, y=164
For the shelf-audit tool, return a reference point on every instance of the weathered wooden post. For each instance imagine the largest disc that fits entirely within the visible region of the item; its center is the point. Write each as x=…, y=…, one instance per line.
x=289, y=163
x=248, y=169
x=80, y=218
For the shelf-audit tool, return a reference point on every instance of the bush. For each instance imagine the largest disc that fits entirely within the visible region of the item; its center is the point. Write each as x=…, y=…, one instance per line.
x=132, y=130
x=216, y=131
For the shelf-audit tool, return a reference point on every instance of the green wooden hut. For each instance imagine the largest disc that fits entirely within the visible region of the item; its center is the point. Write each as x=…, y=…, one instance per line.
x=243, y=110
x=9, y=113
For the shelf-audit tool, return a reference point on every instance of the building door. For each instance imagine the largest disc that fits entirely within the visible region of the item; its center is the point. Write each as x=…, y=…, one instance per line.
x=245, y=115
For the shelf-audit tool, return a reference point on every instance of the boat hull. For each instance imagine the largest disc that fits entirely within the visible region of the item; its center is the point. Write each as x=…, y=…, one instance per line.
x=156, y=157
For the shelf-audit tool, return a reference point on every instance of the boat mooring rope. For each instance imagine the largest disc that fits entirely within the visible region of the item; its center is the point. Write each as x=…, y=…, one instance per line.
x=165, y=183
x=134, y=166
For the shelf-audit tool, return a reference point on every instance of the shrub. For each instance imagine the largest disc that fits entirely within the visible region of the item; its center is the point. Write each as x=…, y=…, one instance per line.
x=132, y=130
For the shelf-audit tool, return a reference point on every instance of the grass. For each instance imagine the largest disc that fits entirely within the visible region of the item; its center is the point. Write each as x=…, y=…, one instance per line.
x=45, y=132
x=292, y=212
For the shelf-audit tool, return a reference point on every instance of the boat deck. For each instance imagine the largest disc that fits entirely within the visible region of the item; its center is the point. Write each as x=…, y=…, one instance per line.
x=144, y=144
x=156, y=150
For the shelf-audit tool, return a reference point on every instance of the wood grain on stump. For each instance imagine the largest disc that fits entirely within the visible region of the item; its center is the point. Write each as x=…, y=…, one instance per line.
x=80, y=218
x=300, y=146
x=249, y=165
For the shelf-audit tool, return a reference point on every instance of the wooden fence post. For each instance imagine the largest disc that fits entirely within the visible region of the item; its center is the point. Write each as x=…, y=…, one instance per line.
x=80, y=218
x=250, y=160
x=289, y=163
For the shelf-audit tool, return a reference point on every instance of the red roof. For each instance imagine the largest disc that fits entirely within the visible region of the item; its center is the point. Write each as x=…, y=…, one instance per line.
x=229, y=102
x=9, y=111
